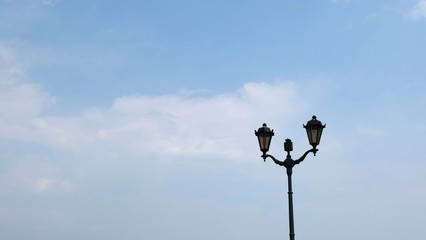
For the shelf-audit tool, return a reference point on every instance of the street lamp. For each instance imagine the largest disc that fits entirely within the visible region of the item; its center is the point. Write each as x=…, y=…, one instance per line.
x=264, y=135
x=314, y=130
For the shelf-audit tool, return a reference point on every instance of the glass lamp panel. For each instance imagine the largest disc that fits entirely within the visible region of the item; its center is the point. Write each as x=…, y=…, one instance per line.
x=264, y=143
x=319, y=136
x=313, y=139
x=314, y=130
x=264, y=136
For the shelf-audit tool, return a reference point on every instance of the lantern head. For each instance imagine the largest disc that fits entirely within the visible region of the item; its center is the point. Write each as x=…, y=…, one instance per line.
x=264, y=136
x=314, y=131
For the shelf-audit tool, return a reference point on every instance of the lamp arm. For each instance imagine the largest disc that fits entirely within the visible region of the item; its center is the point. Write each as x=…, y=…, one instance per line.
x=273, y=158
x=313, y=150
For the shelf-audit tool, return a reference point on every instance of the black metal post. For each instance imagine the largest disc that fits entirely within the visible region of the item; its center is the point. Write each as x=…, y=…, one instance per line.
x=289, y=163
x=290, y=203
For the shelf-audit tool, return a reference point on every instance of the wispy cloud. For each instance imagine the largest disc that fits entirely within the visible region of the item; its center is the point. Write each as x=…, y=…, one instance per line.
x=31, y=175
x=418, y=11
x=10, y=67
x=52, y=184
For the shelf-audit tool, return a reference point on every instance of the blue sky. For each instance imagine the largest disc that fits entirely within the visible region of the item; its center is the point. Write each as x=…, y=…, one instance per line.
x=135, y=119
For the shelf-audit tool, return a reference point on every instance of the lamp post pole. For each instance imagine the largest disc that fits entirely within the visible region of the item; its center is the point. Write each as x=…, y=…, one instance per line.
x=290, y=203
x=264, y=134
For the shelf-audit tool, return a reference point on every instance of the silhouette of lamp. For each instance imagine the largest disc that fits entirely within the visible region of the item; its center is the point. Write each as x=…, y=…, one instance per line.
x=264, y=135
x=314, y=131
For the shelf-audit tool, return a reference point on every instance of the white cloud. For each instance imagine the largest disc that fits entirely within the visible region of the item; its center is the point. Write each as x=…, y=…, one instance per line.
x=181, y=126
x=20, y=102
x=10, y=68
x=419, y=10
x=30, y=174
x=165, y=126
x=51, y=184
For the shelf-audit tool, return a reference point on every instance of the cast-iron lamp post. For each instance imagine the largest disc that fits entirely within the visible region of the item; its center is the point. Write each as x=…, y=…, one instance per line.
x=264, y=135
